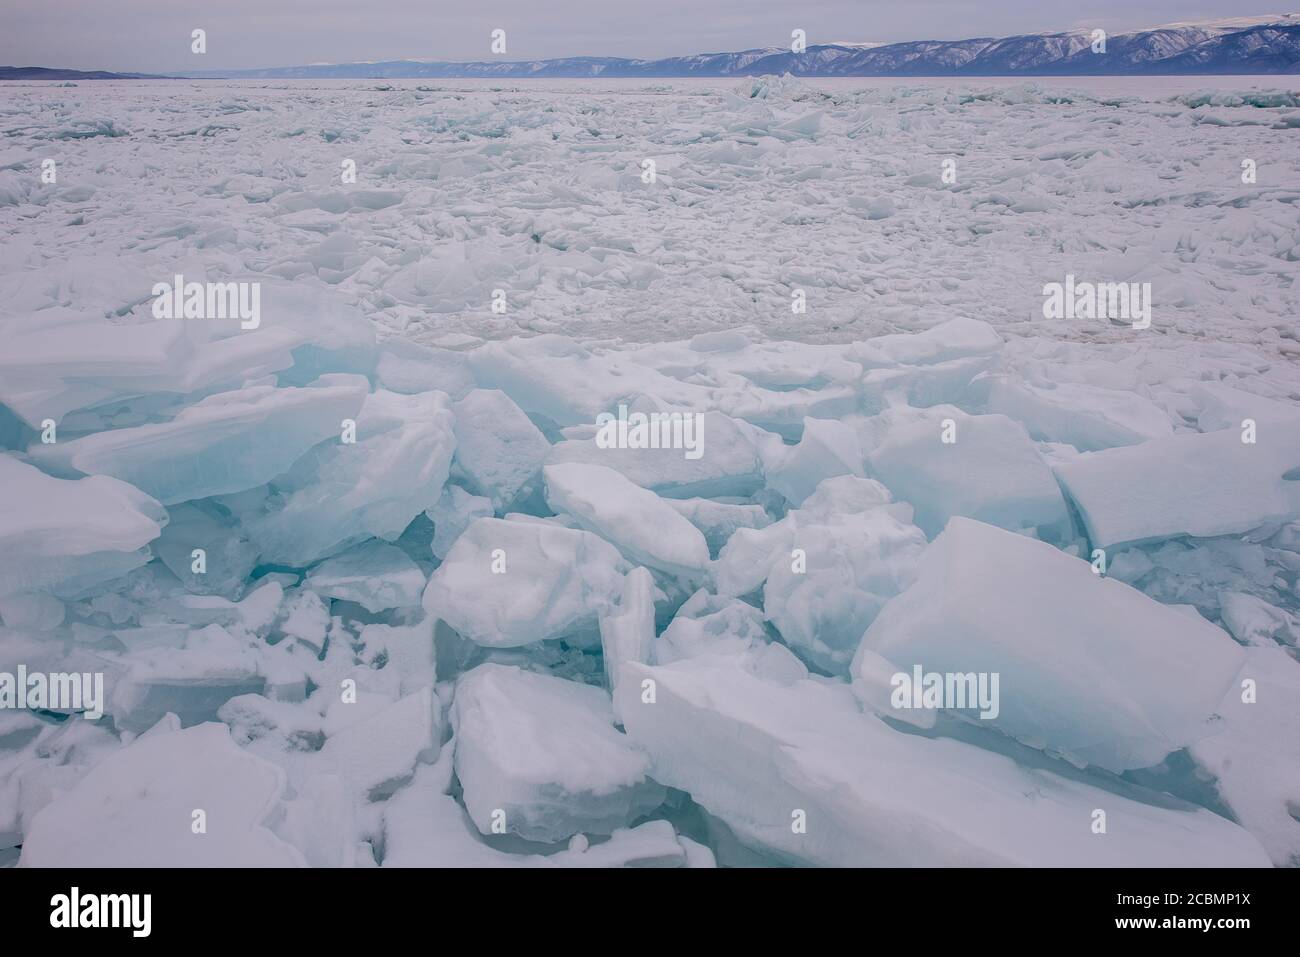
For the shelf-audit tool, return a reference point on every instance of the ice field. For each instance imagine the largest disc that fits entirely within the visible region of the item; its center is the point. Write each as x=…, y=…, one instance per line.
x=595, y=473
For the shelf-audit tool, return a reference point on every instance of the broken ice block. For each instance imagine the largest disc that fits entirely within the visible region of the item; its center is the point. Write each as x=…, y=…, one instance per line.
x=981, y=466
x=955, y=339
x=70, y=534
x=1088, y=667
x=346, y=492
x=139, y=807
x=638, y=522
x=569, y=384
x=206, y=550
x=192, y=681
x=826, y=572
x=1085, y=416
x=498, y=450
x=728, y=462
x=378, y=754
x=629, y=633
x=425, y=827
x=1199, y=484
x=1256, y=757
x=451, y=515
x=795, y=768
x=505, y=584
x=827, y=448
x=225, y=443
x=719, y=520
x=375, y=575
x=710, y=624
x=847, y=573
x=540, y=757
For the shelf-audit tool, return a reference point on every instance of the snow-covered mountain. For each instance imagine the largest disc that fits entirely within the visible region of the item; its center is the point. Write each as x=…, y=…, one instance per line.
x=1242, y=45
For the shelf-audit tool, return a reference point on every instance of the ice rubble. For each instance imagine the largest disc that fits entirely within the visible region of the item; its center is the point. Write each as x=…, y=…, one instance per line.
x=456, y=184
x=425, y=578
x=826, y=568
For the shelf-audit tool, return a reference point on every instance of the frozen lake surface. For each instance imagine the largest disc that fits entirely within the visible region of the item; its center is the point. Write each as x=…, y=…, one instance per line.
x=574, y=473
x=833, y=186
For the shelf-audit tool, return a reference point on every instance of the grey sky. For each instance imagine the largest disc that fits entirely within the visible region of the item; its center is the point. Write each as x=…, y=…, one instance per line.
x=154, y=35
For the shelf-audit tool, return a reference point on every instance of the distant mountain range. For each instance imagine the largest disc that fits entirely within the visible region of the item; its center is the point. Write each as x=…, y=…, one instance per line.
x=1243, y=45
x=51, y=73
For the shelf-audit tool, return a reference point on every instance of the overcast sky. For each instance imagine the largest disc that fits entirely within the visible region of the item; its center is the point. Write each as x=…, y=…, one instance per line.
x=154, y=35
